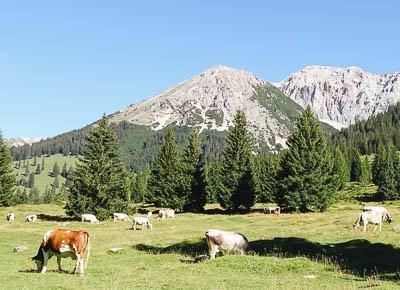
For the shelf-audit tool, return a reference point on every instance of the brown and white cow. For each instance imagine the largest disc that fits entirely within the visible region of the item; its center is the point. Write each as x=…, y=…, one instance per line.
x=230, y=242
x=273, y=209
x=11, y=217
x=63, y=244
x=163, y=214
x=31, y=218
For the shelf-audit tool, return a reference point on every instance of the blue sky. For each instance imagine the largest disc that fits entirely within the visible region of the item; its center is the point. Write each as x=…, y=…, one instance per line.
x=65, y=63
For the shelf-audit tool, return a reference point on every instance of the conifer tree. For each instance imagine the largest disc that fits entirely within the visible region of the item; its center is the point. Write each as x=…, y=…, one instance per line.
x=34, y=161
x=20, y=197
x=193, y=176
x=7, y=178
x=56, y=170
x=378, y=166
x=64, y=171
x=341, y=168
x=38, y=169
x=387, y=185
x=213, y=180
x=99, y=182
x=355, y=166
x=31, y=180
x=27, y=169
x=47, y=196
x=165, y=181
x=43, y=163
x=237, y=191
x=266, y=173
x=365, y=170
x=139, y=186
x=307, y=181
x=56, y=182
x=34, y=197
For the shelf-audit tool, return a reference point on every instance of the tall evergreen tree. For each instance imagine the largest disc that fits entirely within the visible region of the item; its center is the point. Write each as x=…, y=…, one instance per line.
x=38, y=169
x=56, y=170
x=7, y=178
x=34, y=197
x=355, y=166
x=165, y=181
x=341, y=168
x=307, y=180
x=193, y=176
x=31, y=180
x=43, y=162
x=266, y=174
x=237, y=191
x=47, y=196
x=387, y=185
x=27, y=169
x=214, y=179
x=365, y=169
x=64, y=171
x=56, y=182
x=378, y=166
x=99, y=181
x=139, y=186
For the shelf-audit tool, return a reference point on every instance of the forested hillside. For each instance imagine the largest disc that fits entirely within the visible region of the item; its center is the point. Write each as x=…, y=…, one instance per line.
x=365, y=135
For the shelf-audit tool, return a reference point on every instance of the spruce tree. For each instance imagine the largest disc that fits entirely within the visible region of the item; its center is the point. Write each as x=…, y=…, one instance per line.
x=193, y=176
x=355, y=166
x=34, y=197
x=31, y=180
x=56, y=170
x=64, y=171
x=214, y=179
x=341, y=168
x=56, y=182
x=266, y=173
x=27, y=169
x=365, y=170
x=307, y=180
x=7, y=177
x=237, y=191
x=99, y=182
x=43, y=163
x=38, y=169
x=378, y=166
x=47, y=196
x=165, y=181
x=387, y=188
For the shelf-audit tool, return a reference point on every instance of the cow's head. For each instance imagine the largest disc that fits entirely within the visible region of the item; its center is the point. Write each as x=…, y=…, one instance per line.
x=389, y=218
x=39, y=259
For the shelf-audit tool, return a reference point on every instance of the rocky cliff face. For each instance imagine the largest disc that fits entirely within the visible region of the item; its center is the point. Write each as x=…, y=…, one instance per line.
x=211, y=99
x=341, y=96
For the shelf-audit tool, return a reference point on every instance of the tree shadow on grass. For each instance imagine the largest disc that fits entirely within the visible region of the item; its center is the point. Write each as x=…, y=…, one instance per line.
x=55, y=218
x=359, y=257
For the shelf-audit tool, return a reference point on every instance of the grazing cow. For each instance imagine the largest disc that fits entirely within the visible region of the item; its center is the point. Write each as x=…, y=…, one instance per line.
x=87, y=217
x=149, y=214
x=380, y=209
x=163, y=214
x=228, y=241
x=273, y=209
x=11, y=217
x=31, y=218
x=120, y=217
x=373, y=217
x=141, y=221
x=63, y=244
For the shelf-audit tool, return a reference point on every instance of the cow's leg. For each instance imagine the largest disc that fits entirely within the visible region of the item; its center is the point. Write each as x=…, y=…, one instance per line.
x=45, y=259
x=134, y=226
x=59, y=263
x=213, y=251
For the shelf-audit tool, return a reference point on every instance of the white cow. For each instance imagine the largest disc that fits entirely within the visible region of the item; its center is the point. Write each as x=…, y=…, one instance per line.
x=141, y=221
x=228, y=241
x=31, y=218
x=373, y=217
x=149, y=214
x=11, y=217
x=87, y=217
x=168, y=213
x=380, y=209
x=273, y=209
x=120, y=217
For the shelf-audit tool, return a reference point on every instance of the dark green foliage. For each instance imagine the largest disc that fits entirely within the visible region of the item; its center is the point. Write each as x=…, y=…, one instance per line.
x=386, y=174
x=31, y=180
x=56, y=170
x=38, y=169
x=193, y=175
x=307, y=180
x=56, y=182
x=237, y=192
x=139, y=186
x=365, y=170
x=99, y=182
x=64, y=172
x=355, y=166
x=365, y=136
x=20, y=197
x=214, y=178
x=27, y=171
x=378, y=169
x=48, y=196
x=34, y=197
x=7, y=177
x=341, y=168
x=165, y=181
x=266, y=169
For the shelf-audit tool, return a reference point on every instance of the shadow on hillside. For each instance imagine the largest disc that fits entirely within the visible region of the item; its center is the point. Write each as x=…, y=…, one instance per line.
x=55, y=218
x=359, y=257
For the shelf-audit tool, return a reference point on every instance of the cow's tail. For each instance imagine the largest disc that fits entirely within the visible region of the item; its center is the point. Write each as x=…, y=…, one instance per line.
x=88, y=249
x=357, y=223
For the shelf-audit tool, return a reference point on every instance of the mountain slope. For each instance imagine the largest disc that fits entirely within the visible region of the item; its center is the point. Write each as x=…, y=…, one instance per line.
x=21, y=141
x=210, y=101
x=341, y=96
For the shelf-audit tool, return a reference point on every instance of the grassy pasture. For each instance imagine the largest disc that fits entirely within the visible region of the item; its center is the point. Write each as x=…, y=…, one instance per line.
x=286, y=249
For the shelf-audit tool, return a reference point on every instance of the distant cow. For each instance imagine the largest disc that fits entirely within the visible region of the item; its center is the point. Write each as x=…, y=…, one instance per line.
x=228, y=241
x=273, y=209
x=87, y=217
x=380, y=209
x=141, y=221
x=11, y=217
x=31, y=218
x=149, y=214
x=163, y=214
x=373, y=217
x=120, y=217
x=63, y=244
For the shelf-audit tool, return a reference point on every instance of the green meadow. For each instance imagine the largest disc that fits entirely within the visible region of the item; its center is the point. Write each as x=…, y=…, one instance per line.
x=286, y=250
